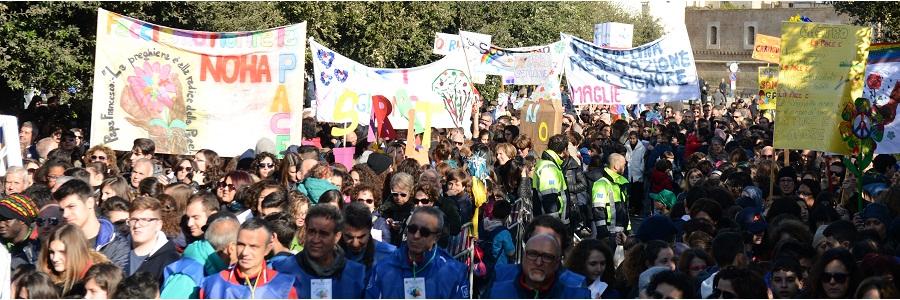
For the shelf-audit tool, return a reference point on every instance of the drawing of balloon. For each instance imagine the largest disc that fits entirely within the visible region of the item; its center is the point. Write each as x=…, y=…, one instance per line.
x=455, y=89
x=154, y=101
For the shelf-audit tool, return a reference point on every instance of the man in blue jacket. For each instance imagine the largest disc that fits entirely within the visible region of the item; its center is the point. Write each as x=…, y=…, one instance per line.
x=211, y=255
x=538, y=276
x=79, y=208
x=419, y=269
x=321, y=271
x=357, y=241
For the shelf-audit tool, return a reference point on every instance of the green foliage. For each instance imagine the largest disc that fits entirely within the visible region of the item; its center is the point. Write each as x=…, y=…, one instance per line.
x=50, y=45
x=884, y=16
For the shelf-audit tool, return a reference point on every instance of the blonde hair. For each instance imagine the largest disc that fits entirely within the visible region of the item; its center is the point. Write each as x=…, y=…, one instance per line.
x=506, y=148
x=79, y=256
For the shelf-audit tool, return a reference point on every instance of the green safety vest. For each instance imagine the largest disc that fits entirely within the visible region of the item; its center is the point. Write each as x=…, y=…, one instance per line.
x=605, y=190
x=549, y=179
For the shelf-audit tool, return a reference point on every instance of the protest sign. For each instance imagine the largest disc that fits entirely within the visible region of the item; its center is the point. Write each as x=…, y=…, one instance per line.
x=473, y=45
x=186, y=90
x=532, y=69
x=766, y=48
x=613, y=35
x=540, y=120
x=350, y=92
x=445, y=43
x=768, y=81
x=344, y=156
x=882, y=89
x=10, y=151
x=659, y=71
x=821, y=69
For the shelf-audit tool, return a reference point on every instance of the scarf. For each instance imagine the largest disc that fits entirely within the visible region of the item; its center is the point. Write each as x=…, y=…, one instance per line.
x=316, y=270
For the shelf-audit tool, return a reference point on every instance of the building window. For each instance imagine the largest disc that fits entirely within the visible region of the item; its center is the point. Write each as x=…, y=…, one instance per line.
x=713, y=40
x=750, y=34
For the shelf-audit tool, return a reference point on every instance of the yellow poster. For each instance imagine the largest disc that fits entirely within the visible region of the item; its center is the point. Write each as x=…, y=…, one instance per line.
x=767, y=48
x=768, y=81
x=821, y=69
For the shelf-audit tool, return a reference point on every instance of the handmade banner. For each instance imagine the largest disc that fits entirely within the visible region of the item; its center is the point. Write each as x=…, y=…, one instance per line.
x=882, y=89
x=445, y=43
x=188, y=90
x=473, y=44
x=768, y=81
x=659, y=71
x=349, y=92
x=766, y=48
x=540, y=120
x=822, y=68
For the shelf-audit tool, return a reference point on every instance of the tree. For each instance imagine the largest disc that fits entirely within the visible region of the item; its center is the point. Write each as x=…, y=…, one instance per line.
x=884, y=17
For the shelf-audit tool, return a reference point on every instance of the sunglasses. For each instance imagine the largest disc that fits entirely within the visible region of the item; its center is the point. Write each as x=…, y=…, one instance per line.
x=50, y=221
x=423, y=201
x=367, y=201
x=263, y=165
x=458, y=143
x=395, y=194
x=179, y=169
x=717, y=293
x=222, y=185
x=839, y=278
x=421, y=230
x=95, y=157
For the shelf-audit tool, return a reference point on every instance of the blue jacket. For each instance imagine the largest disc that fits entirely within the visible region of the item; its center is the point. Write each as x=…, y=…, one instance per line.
x=345, y=284
x=113, y=245
x=506, y=272
x=511, y=287
x=445, y=278
x=382, y=250
x=226, y=285
x=182, y=278
x=278, y=257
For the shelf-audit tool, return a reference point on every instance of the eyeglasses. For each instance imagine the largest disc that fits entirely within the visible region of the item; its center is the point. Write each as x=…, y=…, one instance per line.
x=421, y=230
x=395, y=194
x=141, y=221
x=805, y=193
x=367, y=201
x=100, y=158
x=839, y=278
x=423, y=201
x=179, y=169
x=766, y=156
x=717, y=294
x=543, y=257
x=264, y=165
x=50, y=221
x=222, y=185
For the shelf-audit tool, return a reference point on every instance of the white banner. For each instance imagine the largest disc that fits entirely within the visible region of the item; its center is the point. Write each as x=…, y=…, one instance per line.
x=659, y=71
x=348, y=91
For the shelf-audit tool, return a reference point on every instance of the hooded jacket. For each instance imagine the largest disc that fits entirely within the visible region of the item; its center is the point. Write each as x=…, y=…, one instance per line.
x=512, y=287
x=182, y=278
x=25, y=252
x=163, y=254
x=347, y=277
x=112, y=244
x=314, y=188
x=445, y=278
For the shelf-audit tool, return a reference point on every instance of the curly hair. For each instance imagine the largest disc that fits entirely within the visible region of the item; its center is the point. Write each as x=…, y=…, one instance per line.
x=111, y=161
x=275, y=165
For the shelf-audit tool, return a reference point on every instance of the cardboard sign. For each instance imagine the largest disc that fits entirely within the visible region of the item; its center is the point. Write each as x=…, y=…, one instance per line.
x=822, y=68
x=188, y=90
x=540, y=120
x=767, y=48
x=768, y=81
x=344, y=156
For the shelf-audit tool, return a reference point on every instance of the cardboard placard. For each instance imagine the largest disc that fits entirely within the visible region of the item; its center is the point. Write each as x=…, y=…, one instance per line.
x=540, y=120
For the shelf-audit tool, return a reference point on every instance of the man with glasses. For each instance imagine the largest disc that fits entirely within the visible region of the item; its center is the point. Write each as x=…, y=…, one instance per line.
x=150, y=251
x=357, y=241
x=17, y=230
x=17, y=180
x=76, y=199
x=538, y=275
x=321, y=270
x=419, y=269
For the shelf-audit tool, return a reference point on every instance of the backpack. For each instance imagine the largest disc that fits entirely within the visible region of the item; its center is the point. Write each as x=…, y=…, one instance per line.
x=484, y=257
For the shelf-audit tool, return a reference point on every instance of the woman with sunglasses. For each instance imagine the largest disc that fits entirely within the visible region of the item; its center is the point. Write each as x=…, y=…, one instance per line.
x=266, y=166
x=66, y=257
x=426, y=194
x=398, y=210
x=228, y=187
x=371, y=198
x=102, y=154
x=834, y=276
x=185, y=171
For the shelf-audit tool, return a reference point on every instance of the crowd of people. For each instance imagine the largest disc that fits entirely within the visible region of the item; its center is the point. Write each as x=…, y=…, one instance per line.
x=644, y=201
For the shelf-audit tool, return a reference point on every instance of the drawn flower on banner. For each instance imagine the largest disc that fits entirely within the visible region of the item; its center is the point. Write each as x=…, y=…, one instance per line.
x=153, y=86
x=653, y=117
x=153, y=100
x=873, y=81
x=862, y=126
x=457, y=93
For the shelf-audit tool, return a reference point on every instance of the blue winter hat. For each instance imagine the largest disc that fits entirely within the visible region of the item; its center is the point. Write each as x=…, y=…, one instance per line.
x=658, y=227
x=877, y=211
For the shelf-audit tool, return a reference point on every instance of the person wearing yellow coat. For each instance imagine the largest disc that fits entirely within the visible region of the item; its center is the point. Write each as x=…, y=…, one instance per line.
x=609, y=197
x=549, y=183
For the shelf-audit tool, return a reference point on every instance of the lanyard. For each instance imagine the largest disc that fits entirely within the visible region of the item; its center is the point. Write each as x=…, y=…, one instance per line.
x=255, y=284
x=433, y=254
